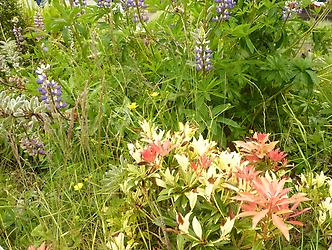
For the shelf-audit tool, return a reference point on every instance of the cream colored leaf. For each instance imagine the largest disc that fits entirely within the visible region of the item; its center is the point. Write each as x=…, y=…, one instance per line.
x=160, y=183
x=183, y=161
x=184, y=226
x=192, y=197
x=227, y=227
x=197, y=228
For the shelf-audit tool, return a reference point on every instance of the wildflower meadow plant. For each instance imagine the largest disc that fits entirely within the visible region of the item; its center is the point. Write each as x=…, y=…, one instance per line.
x=136, y=9
x=50, y=90
x=17, y=31
x=39, y=24
x=259, y=149
x=104, y=3
x=32, y=146
x=166, y=61
x=43, y=246
x=203, y=53
x=290, y=8
x=223, y=9
x=80, y=4
x=318, y=187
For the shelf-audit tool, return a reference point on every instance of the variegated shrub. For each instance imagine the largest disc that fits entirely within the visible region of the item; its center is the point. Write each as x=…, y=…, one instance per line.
x=183, y=191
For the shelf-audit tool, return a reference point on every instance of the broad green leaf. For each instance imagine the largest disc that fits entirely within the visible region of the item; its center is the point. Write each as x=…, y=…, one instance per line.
x=180, y=242
x=250, y=45
x=228, y=122
x=38, y=231
x=257, y=245
x=219, y=109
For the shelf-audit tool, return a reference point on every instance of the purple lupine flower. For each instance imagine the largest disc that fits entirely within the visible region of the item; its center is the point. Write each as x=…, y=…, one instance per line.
x=136, y=9
x=81, y=4
x=18, y=35
x=51, y=91
x=290, y=8
x=104, y=3
x=203, y=53
x=17, y=31
x=32, y=146
x=39, y=24
x=223, y=9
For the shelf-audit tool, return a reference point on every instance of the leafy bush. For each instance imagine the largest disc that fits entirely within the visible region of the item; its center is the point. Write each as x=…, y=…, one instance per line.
x=182, y=192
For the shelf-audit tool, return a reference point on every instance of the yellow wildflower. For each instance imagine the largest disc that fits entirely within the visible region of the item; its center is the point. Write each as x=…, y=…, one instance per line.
x=154, y=94
x=78, y=186
x=132, y=105
x=88, y=178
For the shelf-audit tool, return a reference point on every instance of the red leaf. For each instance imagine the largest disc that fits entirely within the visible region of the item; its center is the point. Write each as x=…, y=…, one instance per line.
x=295, y=222
x=260, y=215
x=300, y=212
x=279, y=223
x=247, y=213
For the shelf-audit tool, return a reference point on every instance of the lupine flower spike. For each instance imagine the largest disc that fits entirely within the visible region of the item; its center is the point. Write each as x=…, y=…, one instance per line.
x=81, y=4
x=17, y=31
x=290, y=8
x=39, y=24
x=78, y=4
x=223, y=10
x=51, y=91
x=32, y=146
x=136, y=8
x=203, y=53
x=104, y=3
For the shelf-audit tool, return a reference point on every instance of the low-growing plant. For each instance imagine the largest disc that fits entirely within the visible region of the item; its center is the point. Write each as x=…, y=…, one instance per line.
x=182, y=192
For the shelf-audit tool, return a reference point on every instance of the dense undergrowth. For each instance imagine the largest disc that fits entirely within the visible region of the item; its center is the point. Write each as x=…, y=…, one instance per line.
x=78, y=83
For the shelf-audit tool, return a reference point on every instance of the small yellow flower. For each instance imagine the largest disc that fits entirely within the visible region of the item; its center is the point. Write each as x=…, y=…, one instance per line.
x=104, y=209
x=154, y=94
x=78, y=186
x=132, y=105
x=88, y=178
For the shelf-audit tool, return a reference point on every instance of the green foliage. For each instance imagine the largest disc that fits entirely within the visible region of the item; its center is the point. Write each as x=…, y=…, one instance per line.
x=269, y=74
x=9, y=10
x=10, y=58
